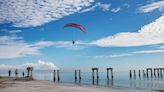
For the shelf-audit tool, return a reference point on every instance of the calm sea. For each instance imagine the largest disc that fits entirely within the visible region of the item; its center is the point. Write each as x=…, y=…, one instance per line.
x=121, y=79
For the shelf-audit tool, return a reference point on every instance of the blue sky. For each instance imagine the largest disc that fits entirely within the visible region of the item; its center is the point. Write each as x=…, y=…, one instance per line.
x=123, y=34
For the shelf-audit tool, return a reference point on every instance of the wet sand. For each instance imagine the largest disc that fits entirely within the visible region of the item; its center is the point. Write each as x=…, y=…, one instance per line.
x=29, y=85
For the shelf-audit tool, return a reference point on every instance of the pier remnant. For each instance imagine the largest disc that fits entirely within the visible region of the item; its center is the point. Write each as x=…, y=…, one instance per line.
x=58, y=72
x=80, y=76
x=111, y=69
x=93, y=77
x=75, y=76
x=134, y=74
x=139, y=74
x=29, y=71
x=130, y=74
x=147, y=71
x=54, y=75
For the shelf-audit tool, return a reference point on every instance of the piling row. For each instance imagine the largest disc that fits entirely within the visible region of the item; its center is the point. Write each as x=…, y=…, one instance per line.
x=77, y=76
x=148, y=73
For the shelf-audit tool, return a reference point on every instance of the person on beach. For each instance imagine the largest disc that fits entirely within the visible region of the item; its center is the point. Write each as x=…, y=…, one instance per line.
x=9, y=72
x=16, y=72
x=23, y=74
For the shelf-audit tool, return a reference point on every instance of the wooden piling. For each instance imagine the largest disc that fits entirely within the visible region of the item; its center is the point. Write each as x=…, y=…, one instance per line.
x=93, y=78
x=134, y=74
x=161, y=72
x=107, y=74
x=139, y=74
x=130, y=74
x=80, y=76
x=75, y=76
x=58, y=75
x=154, y=72
x=143, y=73
x=158, y=72
x=54, y=75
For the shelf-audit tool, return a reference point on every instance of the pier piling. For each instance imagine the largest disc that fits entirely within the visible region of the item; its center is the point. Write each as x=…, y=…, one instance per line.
x=58, y=75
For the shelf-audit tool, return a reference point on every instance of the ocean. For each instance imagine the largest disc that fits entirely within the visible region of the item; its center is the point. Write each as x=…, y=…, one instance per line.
x=120, y=80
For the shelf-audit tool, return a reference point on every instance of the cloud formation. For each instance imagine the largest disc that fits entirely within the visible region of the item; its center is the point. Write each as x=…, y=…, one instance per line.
x=150, y=34
x=104, y=7
x=14, y=47
x=39, y=65
x=26, y=13
x=115, y=10
x=153, y=6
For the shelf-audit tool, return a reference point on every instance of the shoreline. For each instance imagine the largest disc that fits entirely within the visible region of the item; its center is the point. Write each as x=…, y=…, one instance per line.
x=25, y=85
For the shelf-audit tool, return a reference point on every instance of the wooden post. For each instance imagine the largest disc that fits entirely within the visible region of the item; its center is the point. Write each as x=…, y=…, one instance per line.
x=143, y=73
x=107, y=74
x=97, y=76
x=93, y=79
x=112, y=73
x=79, y=76
x=75, y=76
x=54, y=75
x=130, y=74
x=58, y=75
x=161, y=72
x=154, y=72
x=151, y=72
x=147, y=73
x=158, y=72
x=139, y=74
x=134, y=74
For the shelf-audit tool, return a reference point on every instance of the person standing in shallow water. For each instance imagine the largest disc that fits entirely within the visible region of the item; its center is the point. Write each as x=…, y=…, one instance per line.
x=9, y=73
x=16, y=72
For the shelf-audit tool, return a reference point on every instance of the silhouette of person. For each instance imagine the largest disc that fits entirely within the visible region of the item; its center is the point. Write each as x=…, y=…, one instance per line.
x=23, y=74
x=9, y=73
x=73, y=42
x=16, y=72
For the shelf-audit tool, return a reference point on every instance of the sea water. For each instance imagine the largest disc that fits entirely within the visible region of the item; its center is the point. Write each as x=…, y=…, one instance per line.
x=120, y=80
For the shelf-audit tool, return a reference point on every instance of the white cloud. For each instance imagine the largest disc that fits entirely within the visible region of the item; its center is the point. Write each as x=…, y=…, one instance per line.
x=13, y=47
x=79, y=45
x=39, y=65
x=152, y=33
x=25, y=13
x=161, y=47
x=115, y=10
x=153, y=6
x=104, y=7
x=121, y=55
x=139, y=52
x=15, y=31
x=148, y=51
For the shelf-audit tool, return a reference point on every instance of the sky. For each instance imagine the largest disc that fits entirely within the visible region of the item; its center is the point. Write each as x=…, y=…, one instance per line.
x=123, y=34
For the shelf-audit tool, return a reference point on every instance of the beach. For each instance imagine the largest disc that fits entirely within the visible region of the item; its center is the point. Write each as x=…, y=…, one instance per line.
x=24, y=85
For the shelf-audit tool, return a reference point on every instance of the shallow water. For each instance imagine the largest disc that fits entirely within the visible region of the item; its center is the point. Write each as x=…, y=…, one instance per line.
x=121, y=80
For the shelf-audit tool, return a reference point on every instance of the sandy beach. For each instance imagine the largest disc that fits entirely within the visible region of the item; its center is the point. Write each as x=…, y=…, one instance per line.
x=24, y=85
